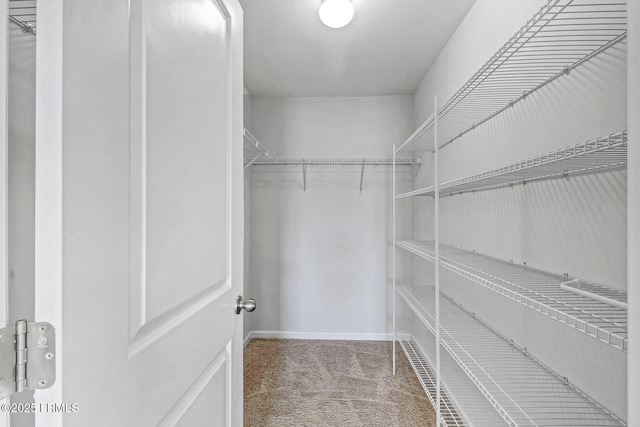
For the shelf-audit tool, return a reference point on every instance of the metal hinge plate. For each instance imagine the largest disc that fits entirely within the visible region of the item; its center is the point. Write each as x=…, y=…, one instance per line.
x=27, y=357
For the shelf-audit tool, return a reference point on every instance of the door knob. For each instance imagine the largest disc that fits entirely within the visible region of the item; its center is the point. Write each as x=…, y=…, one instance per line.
x=249, y=305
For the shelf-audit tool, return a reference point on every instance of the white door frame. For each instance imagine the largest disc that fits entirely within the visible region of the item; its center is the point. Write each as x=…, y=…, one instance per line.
x=48, y=191
x=49, y=160
x=4, y=137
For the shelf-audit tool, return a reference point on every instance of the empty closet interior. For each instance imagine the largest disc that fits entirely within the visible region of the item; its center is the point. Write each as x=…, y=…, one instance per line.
x=478, y=220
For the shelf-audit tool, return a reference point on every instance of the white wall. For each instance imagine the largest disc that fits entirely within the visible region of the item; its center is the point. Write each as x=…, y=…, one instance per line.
x=575, y=225
x=321, y=259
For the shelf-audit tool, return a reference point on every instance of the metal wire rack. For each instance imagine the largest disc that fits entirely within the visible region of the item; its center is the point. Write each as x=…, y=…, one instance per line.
x=598, y=155
x=468, y=400
x=521, y=389
x=253, y=149
x=23, y=13
x=337, y=161
x=561, y=36
x=462, y=402
x=424, y=371
x=538, y=290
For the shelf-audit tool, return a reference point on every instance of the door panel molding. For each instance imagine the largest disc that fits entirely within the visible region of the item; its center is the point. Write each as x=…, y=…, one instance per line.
x=138, y=172
x=157, y=327
x=220, y=362
x=143, y=328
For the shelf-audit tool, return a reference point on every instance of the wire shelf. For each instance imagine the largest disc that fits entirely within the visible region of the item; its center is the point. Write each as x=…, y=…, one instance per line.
x=461, y=401
x=535, y=289
x=23, y=13
x=598, y=155
x=521, y=389
x=562, y=35
x=336, y=161
x=423, y=369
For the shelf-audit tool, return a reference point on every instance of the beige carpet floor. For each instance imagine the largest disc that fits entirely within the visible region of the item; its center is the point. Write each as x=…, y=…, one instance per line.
x=330, y=383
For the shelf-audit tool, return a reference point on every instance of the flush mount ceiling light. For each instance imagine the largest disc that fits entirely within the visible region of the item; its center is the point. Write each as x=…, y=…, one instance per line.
x=336, y=13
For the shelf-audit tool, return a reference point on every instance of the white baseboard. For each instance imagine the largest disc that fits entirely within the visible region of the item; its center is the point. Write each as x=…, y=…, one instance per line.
x=340, y=336
x=248, y=338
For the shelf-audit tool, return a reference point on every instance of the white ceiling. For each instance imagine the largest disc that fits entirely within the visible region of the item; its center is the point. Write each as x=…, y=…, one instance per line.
x=385, y=50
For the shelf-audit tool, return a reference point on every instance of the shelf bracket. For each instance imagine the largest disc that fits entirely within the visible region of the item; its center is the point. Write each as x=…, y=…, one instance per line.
x=361, y=177
x=304, y=177
x=26, y=27
x=253, y=161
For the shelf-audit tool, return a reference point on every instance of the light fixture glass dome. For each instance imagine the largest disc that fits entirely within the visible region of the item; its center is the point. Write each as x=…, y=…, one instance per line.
x=336, y=13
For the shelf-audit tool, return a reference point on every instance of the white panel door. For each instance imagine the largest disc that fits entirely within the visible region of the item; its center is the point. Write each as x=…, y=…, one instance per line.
x=138, y=210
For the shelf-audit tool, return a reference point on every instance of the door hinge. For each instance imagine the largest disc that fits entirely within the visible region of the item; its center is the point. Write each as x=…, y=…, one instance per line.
x=27, y=357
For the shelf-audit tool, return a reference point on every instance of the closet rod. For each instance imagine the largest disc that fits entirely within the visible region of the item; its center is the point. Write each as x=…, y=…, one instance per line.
x=337, y=161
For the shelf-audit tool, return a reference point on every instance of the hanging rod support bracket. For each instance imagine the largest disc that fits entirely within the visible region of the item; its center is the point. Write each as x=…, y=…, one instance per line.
x=304, y=177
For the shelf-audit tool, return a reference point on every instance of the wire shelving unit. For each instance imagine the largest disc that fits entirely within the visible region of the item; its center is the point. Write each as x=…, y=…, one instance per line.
x=561, y=36
x=23, y=13
x=537, y=290
x=519, y=388
x=598, y=155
